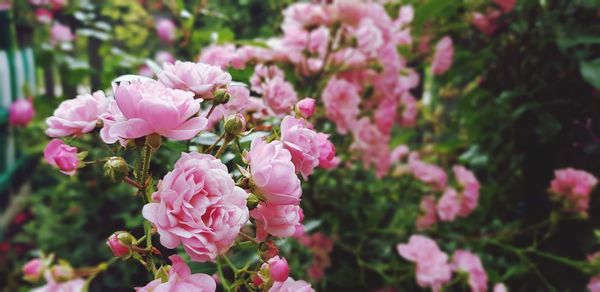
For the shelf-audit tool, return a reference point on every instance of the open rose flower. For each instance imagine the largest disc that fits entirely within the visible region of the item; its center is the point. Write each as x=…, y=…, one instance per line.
x=291, y=285
x=273, y=173
x=368, y=37
x=60, y=34
x=279, y=95
x=62, y=156
x=277, y=220
x=428, y=215
x=21, y=112
x=427, y=173
x=181, y=279
x=327, y=158
x=52, y=285
x=200, y=78
x=467, y=262
x=341, y=99
x=217, y=55
x=198, y=205
x=166, y=30
x=277, y=267
x=298, y=138
x=574, y=186
x=262, y=74
x=432, y=269
x=449, y=205
x=77, y=116
x=148, y=107
x=469, y=189
x=442, y=59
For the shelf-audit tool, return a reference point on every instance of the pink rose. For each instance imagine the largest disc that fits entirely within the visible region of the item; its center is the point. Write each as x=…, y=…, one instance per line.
x=301, y=141
x=21, y=112
x=278, y=268
x=449, y=205
x=181, y=279
x=277, y=220
x=262, y=74
x=111, y=116
x=148, y=107
x=405, y=15
x=430, y=174
x=273, y=173
x=372, y=145
x=198, y=205
x=486, y=23
x=74, y=285
x=166, y=30
x=594, y=284
x=574, y=186
x=279, y=95
x=305, y=15
x=78, y=115
x=506, y=5
x=327, y=158
x=467, y=262
x=385, y=115
x=60, y=33
x=500, y=287
x=369, y=38
x=217, y=55
x=306, y=107
x=399, y=153
x=469, y=189
x=33, y=270
x=432, y=269
x=199, y=78
x=116, y=246
x=62, y=156
x=341, y=99
x=59, y=4
x=162, y=57
x=44, y=15
x=442, y=59
x=145, y=71
x=428, y=213
x=408, y=104
x=291, y=285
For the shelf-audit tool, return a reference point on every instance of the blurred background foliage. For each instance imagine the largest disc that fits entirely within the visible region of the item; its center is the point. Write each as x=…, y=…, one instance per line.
x=514, y=107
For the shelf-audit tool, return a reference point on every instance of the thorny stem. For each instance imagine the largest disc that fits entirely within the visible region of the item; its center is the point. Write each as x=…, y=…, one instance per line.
x=132, y=182
x=214, y=144
x=223, y=147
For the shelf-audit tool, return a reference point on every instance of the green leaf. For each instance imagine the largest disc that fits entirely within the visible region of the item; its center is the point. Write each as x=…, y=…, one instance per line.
x=591, y=72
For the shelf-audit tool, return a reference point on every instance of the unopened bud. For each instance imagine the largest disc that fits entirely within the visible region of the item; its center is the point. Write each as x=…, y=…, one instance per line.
x=62, y=272
x=252, y=201
x=221, y=96
x=278, y=269
x=163, y=273
x=235, y=124
x=120, y=243
x=116, y=168
x=306, y=107
x=33, y=270
x=153, y=140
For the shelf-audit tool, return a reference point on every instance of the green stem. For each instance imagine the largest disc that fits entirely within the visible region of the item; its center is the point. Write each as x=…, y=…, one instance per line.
x=222, y=276
x=101, y=267
x=223, y=147
x=214, y=144
x=562, y=260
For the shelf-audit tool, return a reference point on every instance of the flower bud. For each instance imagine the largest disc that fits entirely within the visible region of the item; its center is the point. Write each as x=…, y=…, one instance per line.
x=33, y=270
x=116, y=168
x=235, y=124
x=120, y=243
x=154, y=140
x=306, y=107
x=21, y=112
x=62, y=272
x=221, y=96
x=278, y=269
x=163, y=273
x=252, y=201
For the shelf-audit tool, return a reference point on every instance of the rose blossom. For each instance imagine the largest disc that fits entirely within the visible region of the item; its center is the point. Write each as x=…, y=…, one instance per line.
x=279, y=95
x=368, y=37
x=341, y=99
x=273, y=173
x=33, y=269
x=62, y=156
x=291, y=285
x=116, y=247
x=306, y=107
x=181, y=279
x=449, y=205
x=305, y=15
x=217, y=55
x=238, y=103
x=575, y=186
x=399, y=153
x=372, y=145
x=60, y=33
x=77, y=116
x=199, y=78
x=262, y=74
x=21, y=112
x=327, y=158
x=486, y=23
x=408, y=117
x=506, y=5
x=166, y=30
x=73, y=285
x=148, y=107
x=44, y=15
x=469, y=189
x=278, y=268
x=162, y=57
x=432, y=268
x=385, y=115
x=198, y=205
x=464, y=261
x=301, y=141
x=500, y=287
x=442, y=59
x=277, y=220
x=428, y=213
x=430, y=174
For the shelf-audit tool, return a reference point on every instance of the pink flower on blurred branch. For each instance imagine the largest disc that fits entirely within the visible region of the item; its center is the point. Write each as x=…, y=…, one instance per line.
x=500, y=287
x=341, y=99
x=327, y=158
x=432, y=268
x=162, y=57
x=372, y=145
x=301, y=141
x=449, y=205
x=574, y=187
x=21, y=112
x=305, y=15
x=368, y=37
x=181, y=279
x=198, y=205
x=469, y=189
x=306, y=107
x=272, y=173
x=148, y=107
x=44, y=15
x=486, y=23
x=77, y=116
x=115, y=243
x=166, y=30
x=427, y=173
x=62, y=156
x=428, y=215
x=277, y=220
x=60, y=34
x=291, y=285
x=218, y=55
x=467, y=262
x=199, y=78
x=52, y=285
x=279, y=95
x=442, y=59
x=506, y=5
x=33, y=270
x=262, y=74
